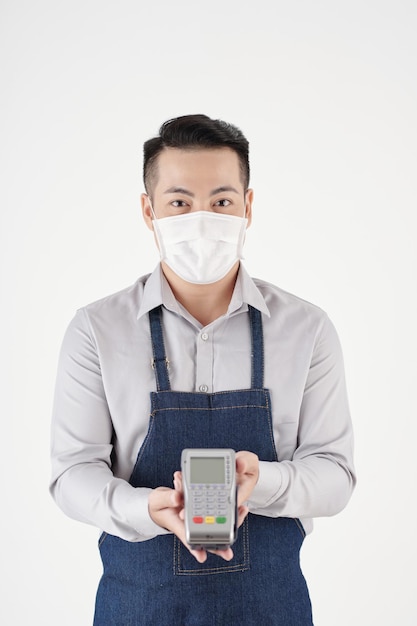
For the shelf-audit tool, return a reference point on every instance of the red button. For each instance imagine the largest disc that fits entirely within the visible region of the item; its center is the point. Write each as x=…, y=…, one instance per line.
x=198, y=520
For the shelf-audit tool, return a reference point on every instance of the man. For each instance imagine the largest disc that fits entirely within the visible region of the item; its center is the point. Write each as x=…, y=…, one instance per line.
x=227, y=361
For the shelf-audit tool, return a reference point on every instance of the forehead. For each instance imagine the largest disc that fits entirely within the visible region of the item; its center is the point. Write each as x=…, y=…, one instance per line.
x=198, y=166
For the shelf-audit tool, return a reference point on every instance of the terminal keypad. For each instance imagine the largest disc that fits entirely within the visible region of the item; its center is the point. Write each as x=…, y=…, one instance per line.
x=209, y=504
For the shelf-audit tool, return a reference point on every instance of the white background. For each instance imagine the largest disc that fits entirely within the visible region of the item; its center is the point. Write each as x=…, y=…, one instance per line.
x=326, y=92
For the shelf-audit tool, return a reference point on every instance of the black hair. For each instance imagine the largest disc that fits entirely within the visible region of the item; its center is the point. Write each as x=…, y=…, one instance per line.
x=194, y=132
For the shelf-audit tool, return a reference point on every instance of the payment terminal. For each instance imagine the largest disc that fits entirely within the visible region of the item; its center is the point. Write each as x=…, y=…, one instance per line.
x=209, y=482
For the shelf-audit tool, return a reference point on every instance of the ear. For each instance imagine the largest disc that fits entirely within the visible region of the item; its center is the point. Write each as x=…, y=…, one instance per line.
x=248, y=206
x=146, y=210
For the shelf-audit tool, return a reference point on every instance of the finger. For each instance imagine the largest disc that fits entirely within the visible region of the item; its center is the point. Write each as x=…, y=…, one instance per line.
x=226, y=554
x=247, y=472
x=163, y=498
x=169, y=519
x=199, y=554
x=244, y=492
x=246, y=463
x=178, y=481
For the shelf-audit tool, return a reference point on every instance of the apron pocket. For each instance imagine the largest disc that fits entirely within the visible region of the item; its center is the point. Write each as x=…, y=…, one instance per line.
x=186, y=565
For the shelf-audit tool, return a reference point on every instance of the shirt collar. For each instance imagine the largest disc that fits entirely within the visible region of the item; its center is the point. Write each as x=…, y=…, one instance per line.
x=157, y=291
x=246, y=292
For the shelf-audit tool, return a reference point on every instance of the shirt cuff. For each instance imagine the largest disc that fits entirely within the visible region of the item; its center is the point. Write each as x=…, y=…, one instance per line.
x=138, y=515
x=268, y=487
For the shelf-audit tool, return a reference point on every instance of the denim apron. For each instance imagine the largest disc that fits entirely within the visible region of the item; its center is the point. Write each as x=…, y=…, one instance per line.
x=158, y=582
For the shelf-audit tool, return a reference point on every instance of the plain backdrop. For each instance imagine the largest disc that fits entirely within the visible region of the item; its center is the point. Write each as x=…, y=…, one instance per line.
x=326, y=92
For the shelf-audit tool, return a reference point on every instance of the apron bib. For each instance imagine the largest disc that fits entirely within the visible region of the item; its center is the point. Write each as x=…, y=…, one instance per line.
x=158, y=582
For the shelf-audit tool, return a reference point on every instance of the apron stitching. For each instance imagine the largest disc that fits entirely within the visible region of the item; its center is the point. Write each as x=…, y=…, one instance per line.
x=215, y=393
x=271, y=431
x=145, y=443
x=246, y=540
x=300, y=527
x=221, y=408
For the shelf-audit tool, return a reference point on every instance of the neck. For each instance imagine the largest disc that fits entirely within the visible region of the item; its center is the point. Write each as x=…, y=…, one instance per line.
x=204, y=302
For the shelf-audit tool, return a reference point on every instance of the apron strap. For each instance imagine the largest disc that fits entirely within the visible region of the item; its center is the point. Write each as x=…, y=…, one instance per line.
x=159, y=362
x=257, y=380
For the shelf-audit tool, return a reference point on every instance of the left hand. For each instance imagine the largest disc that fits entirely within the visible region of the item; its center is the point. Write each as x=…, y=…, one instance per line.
x=247, y=474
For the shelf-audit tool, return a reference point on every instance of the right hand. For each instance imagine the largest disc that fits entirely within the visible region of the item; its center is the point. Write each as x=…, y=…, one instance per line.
x=166, y=508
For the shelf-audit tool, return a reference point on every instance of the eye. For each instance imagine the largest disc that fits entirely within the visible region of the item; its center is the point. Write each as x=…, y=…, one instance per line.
x=223, y=203
x=178, y=204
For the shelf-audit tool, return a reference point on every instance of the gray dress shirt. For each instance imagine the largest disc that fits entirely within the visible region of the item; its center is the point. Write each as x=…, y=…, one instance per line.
x=101, y=406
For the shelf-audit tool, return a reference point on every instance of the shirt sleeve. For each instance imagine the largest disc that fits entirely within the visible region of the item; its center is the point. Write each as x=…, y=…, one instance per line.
x=319, y=479
x=82, y=481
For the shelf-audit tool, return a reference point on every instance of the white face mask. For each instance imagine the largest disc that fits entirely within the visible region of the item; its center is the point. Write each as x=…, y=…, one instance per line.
x=200, y=247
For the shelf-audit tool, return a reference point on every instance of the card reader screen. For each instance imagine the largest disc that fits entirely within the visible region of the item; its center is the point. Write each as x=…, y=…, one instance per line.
x=207, y=470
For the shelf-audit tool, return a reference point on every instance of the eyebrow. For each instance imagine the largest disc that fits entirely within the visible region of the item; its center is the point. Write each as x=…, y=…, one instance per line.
x=214, y=192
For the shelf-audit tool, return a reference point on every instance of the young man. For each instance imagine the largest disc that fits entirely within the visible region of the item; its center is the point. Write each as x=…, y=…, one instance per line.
x=228, y=362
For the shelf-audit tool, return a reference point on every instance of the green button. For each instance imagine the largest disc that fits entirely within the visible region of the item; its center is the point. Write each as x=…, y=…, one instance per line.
x=221, y=520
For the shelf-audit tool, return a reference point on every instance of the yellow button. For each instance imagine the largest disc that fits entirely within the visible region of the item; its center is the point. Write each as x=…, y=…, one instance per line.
x=210, y=520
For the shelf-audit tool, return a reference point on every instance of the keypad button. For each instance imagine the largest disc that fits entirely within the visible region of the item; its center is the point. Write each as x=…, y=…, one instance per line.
x=198, y=520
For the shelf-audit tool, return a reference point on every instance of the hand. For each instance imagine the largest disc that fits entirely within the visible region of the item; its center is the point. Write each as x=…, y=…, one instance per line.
x=166, y=508
x=247, y=474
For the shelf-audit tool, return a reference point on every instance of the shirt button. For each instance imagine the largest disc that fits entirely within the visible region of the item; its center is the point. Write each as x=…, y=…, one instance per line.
x=204, y=336
x=203, y=388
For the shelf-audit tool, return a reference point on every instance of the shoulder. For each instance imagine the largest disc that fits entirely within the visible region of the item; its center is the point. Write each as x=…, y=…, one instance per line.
x=111, y=316
x=296, y=316
x=282, y=302
x=126, y=300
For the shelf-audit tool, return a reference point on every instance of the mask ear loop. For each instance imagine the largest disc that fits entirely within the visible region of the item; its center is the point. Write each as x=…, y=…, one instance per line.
x=244, y=207
x=152, y=211
x=156, y=231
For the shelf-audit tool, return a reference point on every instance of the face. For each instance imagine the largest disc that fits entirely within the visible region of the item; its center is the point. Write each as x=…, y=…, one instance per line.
x=198, y=180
